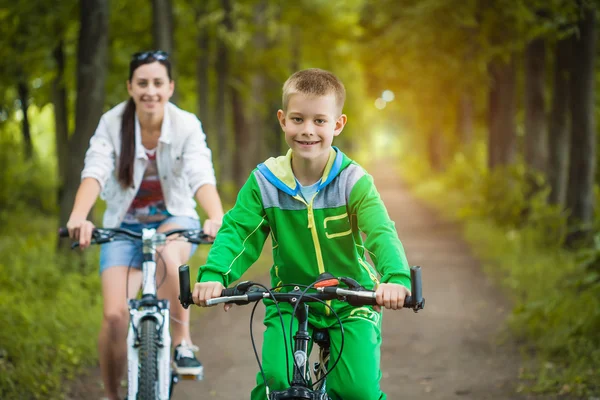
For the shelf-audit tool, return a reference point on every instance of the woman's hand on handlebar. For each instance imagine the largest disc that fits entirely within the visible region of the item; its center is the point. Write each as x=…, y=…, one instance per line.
x=204, y=291
x=391, y=296
x=80, y=230
x=211, y=227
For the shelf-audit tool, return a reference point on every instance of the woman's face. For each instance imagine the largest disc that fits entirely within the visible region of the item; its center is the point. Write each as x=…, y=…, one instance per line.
x=150, y=88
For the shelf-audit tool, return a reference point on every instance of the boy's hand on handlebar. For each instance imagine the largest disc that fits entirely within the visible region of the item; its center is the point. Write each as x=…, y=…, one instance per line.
x=204, y=291
x=391, y=296
x=80, y=230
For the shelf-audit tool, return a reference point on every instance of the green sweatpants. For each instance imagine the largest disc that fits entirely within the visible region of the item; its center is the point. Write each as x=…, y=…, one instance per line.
x=355, y=377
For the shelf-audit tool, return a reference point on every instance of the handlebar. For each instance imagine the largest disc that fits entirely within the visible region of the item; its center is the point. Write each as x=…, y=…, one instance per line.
x=247, y=292
x=105, y=235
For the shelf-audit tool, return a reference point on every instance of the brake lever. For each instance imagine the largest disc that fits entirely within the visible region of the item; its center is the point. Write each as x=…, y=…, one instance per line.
x=97, y=238
x=244, y=286
x=351, y=283
x=197, y=236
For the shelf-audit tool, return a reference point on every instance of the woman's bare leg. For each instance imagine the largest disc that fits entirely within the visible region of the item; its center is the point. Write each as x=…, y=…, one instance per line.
x=112, y=341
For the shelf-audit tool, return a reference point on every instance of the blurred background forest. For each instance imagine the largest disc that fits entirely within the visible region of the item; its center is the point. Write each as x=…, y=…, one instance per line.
x=486, y=108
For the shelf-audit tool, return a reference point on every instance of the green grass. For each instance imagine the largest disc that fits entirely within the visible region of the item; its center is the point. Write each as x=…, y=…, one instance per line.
x=51, y=310
x=519, y=239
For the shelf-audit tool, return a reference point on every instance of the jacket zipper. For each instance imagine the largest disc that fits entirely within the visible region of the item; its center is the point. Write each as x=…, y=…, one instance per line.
x=313, y=228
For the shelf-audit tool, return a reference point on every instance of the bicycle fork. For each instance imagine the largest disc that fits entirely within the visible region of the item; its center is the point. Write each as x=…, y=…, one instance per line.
x=159, y=311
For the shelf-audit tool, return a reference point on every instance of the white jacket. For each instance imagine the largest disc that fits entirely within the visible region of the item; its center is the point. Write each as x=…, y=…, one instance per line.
x=183, y=160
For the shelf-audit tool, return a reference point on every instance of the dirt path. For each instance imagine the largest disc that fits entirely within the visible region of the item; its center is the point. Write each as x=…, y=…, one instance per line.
x=451, y=350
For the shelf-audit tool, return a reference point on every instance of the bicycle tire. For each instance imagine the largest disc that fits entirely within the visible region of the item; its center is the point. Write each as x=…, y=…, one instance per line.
x=148, y=360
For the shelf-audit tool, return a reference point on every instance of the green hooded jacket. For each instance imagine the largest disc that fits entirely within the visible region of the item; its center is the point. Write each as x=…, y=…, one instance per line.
x=309, y=237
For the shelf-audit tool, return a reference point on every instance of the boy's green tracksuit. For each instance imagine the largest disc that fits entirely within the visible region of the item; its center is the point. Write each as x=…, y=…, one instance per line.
x=310, y=237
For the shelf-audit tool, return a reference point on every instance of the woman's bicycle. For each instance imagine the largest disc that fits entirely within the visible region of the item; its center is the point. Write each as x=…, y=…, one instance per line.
x=327, y=287
x=151, y=375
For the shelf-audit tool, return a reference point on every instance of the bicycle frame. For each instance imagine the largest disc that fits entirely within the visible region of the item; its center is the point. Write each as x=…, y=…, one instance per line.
x=299, y=388
x=301, y=374
x=327, y=289
x=149, y=327
x=149, y=306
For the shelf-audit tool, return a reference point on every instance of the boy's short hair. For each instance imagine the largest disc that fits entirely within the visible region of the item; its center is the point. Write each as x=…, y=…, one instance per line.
x=316, y=82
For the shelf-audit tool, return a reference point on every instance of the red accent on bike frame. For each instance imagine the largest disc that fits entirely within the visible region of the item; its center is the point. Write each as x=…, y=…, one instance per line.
x=327, y=283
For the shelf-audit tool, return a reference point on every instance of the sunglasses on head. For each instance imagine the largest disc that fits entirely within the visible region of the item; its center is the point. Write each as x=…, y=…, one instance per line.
x=158, y=55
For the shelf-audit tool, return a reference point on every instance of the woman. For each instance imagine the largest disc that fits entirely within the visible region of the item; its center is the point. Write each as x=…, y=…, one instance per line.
x=149, y=159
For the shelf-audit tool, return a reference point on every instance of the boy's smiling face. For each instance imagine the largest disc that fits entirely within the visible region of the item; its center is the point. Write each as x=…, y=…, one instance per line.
x=310, y=124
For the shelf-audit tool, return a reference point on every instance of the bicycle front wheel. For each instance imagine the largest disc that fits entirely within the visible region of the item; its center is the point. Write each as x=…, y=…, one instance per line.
x=148, y=360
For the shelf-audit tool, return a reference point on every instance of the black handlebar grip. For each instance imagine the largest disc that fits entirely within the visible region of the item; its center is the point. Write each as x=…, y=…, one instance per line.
x=230, y=292
x=185, y=297
x=416, y=285
x=361, y=301
x=416, y=300
x=63, y=232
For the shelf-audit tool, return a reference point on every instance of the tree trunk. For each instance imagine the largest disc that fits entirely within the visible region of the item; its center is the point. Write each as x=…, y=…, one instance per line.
x=241, y=131
x=580, y=193
x=434, y=148
x=162, y=25
x=91, y=76
x=465, y=118
x=260, y=110
x=274, y=134
x=558, y=133
x=24, y=99
x=501, y=113
x=296, y=55
x=536, y=136
x=260, y=116
x=274, y=137
x=162, y=32
x=223, y=68
x=202, y=67
x=59, y=99
x=243, y=141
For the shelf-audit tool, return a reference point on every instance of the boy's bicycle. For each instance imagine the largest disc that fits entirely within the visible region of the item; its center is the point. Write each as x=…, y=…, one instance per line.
x=150, y=372
x=327, y=287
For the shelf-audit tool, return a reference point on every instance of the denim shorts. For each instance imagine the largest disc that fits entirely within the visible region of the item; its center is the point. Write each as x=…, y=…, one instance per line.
x=129, y=253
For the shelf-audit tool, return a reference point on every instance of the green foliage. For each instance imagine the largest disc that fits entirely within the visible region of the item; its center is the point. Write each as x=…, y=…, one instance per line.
x=50, y=302
x=23, y=185
x=556, y=310
x=51, y=310
x=519, y=237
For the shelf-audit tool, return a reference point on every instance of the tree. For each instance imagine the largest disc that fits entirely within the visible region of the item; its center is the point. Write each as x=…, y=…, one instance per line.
x=203, y=64
x=222, y=70
x=536, y=136
x=162, y=25
x=59, y=99
x=91, y=75
x=259, y=111
x=162, y=31
x=24, y=100
x=582, y=165
x=502, y=112
x=28, y=34
x=558, y=134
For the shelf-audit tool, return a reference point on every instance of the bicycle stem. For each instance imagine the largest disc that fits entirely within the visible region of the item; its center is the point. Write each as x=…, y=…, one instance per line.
x=301, y=338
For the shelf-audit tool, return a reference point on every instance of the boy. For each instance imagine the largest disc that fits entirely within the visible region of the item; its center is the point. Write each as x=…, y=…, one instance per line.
x=315, y=202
